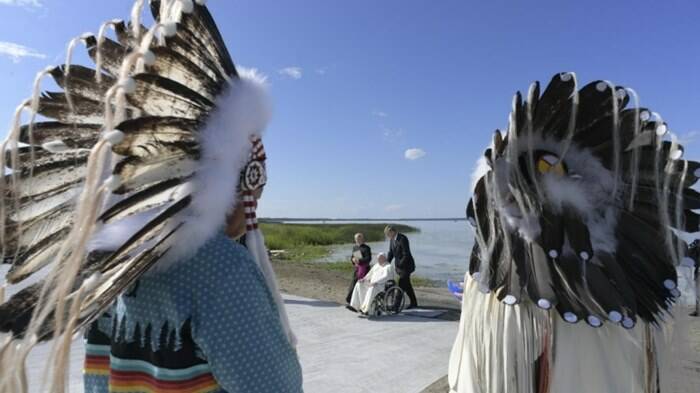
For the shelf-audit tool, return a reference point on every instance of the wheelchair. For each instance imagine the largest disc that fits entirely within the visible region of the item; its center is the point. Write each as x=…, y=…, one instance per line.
x=391, y=301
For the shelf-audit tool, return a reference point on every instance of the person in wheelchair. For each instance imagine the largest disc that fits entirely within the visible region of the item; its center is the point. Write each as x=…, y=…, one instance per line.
x=371, y=285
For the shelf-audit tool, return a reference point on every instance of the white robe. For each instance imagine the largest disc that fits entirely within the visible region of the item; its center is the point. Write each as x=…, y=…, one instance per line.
x=370, y=286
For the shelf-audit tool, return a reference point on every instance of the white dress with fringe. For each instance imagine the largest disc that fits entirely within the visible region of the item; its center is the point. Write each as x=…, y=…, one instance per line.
x=498, y=347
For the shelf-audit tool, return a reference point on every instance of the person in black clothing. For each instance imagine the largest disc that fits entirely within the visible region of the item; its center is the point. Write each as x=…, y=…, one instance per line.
x=696, y=276
x=404, y=265
x=694, y=254
x=360, y=259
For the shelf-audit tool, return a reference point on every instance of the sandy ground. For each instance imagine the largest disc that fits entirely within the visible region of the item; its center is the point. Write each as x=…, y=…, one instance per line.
x=685, y=362
x=343, y=353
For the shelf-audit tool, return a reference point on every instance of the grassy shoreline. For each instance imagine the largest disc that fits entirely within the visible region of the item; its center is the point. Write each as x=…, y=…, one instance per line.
x=287, y=236
x=305, y=243
x=309, y=242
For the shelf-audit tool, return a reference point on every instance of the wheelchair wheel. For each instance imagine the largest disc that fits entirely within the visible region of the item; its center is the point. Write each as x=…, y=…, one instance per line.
x=394, y=300
x=377, y=306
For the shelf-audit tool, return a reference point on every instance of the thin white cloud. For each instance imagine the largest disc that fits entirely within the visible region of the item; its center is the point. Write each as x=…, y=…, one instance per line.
x=322, y=71
x=22, y=3
x=292, y=72
x=380, y=114
x=393, y=208
x=414, y=154
x=689, y=137
x=392, y=134
x=17, y=52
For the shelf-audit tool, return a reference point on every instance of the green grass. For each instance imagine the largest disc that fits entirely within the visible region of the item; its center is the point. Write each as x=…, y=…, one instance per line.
x=340, y=266
x=280, y=236
x=303, y=253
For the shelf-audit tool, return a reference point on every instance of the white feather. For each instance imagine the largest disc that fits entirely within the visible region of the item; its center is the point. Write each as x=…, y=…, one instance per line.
x=516, y=219
x=256, y=244
x=169, y=29
x=57, y=146
x=114, y=137
x=481, y=168
x=111, y=236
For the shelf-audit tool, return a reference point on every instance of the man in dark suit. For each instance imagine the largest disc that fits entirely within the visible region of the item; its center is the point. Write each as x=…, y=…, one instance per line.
x=360, y=259
x=404, y=264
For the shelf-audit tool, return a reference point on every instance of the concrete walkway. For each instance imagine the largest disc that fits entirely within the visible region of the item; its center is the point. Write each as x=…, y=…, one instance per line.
x=405, y=355
x=341, y=352
x=685, y=361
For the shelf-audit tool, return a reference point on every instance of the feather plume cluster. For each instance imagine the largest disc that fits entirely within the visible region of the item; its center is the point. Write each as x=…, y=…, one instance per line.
x=577, y=206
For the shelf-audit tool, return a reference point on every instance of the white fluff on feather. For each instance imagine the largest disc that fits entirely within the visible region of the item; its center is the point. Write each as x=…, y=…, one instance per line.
x=243, y=110
x=589, y=188
x=481, y=168
x=591, y=193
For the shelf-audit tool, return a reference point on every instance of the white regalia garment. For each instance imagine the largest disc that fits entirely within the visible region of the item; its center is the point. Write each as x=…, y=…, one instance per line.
x=373, y=283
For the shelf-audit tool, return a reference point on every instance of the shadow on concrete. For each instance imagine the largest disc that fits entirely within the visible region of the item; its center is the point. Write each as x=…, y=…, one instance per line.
x=439, y=386
x=312, y=303
x=403, y=318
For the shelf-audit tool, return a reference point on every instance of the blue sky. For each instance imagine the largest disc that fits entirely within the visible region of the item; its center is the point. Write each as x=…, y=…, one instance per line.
x=358, y=83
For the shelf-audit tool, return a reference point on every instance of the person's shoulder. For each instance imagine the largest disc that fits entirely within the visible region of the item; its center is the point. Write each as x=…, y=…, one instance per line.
x=222, y=254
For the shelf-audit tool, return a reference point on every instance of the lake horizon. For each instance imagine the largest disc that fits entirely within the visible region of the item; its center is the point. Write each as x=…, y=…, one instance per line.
x=307, y=219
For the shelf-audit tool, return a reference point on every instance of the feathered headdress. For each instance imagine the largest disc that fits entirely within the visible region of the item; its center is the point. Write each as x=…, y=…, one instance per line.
x=576, y=209
x=140, y=156
x=579, y=203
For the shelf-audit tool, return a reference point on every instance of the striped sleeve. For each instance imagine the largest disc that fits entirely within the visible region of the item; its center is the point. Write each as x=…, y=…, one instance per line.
x=97, y=353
